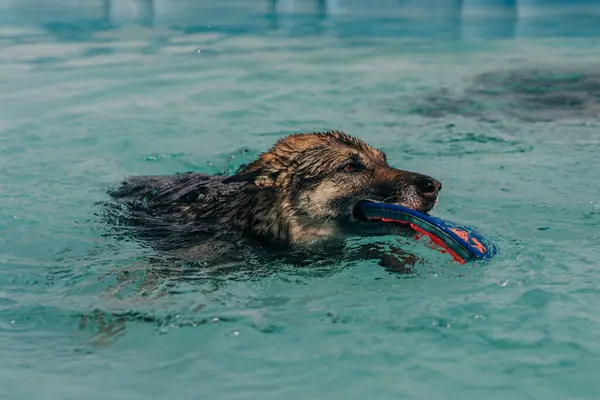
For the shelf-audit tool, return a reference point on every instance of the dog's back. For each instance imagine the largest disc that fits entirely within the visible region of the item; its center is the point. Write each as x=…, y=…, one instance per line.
x=161, y=191
x=173, y=213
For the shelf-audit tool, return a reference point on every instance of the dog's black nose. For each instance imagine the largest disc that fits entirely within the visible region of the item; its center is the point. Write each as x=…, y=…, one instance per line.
x=428, y=185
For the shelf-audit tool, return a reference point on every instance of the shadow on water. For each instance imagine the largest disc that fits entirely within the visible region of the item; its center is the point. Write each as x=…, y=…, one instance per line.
x=529, y=95
x=166, y=294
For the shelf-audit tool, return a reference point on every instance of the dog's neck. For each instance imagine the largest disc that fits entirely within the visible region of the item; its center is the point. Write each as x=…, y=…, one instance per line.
x=267, y=215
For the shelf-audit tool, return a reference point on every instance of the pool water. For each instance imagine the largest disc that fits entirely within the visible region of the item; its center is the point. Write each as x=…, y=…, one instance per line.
x=507, y=121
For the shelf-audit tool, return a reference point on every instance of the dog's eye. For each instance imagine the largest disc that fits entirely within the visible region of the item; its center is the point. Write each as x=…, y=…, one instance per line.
x=352, y=167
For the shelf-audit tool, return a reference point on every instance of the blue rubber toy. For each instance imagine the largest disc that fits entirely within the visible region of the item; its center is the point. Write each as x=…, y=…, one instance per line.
x=462, y=242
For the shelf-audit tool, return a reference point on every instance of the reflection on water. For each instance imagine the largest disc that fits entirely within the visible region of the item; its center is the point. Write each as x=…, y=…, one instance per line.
x=445, y=19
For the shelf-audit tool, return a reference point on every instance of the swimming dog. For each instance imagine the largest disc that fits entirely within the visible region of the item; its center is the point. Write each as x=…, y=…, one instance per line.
x=302, y=192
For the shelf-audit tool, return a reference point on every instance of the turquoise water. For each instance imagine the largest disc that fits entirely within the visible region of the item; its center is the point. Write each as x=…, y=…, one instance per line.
x=86, y=100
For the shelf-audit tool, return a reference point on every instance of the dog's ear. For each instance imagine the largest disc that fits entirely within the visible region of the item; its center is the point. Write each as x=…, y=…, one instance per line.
x=256, y=173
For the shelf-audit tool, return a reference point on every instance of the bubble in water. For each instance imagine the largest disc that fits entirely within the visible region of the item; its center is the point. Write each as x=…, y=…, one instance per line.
x=206, y=52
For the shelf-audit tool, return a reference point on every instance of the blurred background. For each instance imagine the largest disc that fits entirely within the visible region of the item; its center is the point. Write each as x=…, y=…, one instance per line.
x=467, y=19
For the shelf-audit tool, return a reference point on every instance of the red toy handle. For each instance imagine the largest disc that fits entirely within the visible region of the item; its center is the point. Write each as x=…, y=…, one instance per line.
x=434, y=239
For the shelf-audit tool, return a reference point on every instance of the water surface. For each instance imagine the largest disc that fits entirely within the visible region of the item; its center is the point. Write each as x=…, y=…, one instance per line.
x=504, y=111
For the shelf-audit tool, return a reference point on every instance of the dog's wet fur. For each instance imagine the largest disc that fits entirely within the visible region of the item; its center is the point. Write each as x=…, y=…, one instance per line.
x=297, y=198
x=295, y=205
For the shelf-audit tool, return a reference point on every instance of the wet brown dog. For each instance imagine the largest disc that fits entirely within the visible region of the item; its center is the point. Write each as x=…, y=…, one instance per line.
x=301, y=193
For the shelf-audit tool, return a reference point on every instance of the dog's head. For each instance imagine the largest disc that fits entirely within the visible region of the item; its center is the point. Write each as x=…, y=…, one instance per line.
x=319, y=179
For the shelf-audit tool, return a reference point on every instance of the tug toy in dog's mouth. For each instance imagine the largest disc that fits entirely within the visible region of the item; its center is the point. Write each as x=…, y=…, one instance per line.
x=462, y=242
